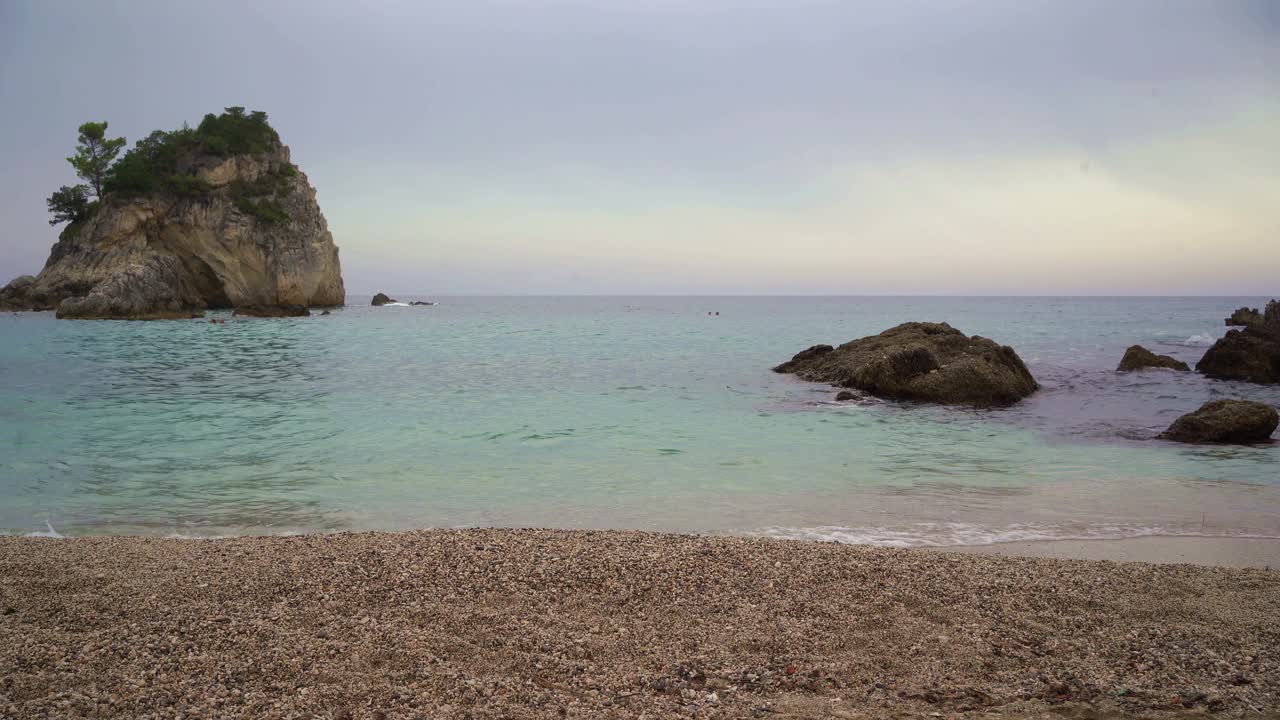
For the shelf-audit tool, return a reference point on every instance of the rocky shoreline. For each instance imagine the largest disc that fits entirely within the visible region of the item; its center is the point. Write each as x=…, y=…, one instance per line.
x=934, y=362
x=540, y=623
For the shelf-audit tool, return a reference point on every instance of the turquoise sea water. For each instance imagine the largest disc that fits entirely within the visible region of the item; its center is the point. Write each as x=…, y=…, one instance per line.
x=614, y=412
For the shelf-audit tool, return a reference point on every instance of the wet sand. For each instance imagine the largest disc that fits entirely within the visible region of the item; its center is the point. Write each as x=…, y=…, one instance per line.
x=1219, y=551
x=549, y=624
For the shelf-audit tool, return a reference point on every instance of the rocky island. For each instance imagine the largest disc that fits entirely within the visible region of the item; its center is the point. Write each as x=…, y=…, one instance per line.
x=931, y=362
x=215, y=217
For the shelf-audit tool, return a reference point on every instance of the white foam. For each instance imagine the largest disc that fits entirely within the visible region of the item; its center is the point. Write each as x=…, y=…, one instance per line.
x=49, y=533
x=1204, y=339
x=959, y=534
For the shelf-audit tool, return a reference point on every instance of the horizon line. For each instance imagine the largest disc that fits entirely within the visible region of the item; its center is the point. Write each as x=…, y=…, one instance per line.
x=813, y=295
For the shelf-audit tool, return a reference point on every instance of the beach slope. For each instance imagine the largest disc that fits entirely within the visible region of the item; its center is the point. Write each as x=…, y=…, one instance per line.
x=533, y=624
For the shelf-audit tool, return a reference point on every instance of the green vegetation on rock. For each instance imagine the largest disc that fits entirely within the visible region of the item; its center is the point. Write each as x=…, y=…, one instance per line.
x=152, y=165
x=267, y=209
x=94, y=154
x=69, y=204
x=234, y=133
x=167, y=163
x=260, y=198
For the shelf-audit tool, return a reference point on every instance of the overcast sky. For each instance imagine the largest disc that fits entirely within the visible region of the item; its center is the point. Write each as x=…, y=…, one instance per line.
x=703, y=146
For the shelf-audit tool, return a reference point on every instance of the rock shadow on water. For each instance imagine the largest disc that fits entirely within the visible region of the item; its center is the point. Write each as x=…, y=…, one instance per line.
x=549, y=436
x=495, y=435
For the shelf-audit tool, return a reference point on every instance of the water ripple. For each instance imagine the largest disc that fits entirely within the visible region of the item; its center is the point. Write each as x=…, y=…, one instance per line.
x=606, y=412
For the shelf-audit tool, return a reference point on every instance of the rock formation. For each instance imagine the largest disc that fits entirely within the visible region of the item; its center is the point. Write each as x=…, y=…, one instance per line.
x=1251, y=354
x=196, y=226
x=14, y=295
x=930, y=362
x=381, y=299
x=1244, y=316
x=1225, y=421
x=1138, y=358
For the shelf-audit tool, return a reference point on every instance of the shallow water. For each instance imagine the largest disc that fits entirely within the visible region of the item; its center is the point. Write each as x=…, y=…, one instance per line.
x=614, y=412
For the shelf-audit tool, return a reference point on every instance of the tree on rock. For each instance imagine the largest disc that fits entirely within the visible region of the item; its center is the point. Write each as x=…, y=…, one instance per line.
x=94, y=154
x=69, y=204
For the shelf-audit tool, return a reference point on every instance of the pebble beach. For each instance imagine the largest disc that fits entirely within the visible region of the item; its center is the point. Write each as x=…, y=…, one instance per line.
x=604, y=624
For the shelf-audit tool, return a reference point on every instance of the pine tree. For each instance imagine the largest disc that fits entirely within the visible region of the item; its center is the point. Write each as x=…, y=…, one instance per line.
x=94, y=154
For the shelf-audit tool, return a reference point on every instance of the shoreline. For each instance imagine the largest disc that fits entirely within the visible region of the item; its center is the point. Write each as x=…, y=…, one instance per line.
x=563, y=623
x=1239, y=551
x=1204, y=550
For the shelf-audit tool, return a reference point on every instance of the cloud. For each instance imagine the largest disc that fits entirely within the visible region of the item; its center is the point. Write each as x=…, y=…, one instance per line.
x=978, y=146
x=1191, y=209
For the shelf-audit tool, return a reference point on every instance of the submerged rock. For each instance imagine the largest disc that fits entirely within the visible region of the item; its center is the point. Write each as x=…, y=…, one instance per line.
x=211, y=229
x=1225, y=421
x=1138, y=358
x=931, y=362
x=273, y=311
x=845, y=395
x=421, y=302
x=381, y=299
x=1251, y=354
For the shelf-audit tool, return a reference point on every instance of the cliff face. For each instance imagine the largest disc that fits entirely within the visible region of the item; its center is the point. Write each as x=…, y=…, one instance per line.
x=166, y=254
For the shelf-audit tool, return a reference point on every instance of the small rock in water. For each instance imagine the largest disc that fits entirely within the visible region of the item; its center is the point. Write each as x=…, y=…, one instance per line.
x=1225, y=421
x=931, y=362
x=1138, y=358
x=844, y=395
x=382, y=299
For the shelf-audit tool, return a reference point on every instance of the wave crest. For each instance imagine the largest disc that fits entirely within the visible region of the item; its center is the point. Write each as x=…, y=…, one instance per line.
x=962, y=534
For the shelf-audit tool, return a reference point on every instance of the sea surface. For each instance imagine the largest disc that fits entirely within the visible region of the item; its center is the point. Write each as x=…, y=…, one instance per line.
x=614, y=412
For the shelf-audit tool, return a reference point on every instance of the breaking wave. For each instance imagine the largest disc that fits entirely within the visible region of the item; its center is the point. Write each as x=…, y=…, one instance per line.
x=961, y=534
x=1197, y=340
x=49, y=532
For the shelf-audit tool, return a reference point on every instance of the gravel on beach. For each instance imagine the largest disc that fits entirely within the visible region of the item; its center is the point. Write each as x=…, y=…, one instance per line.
x=604, y=624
